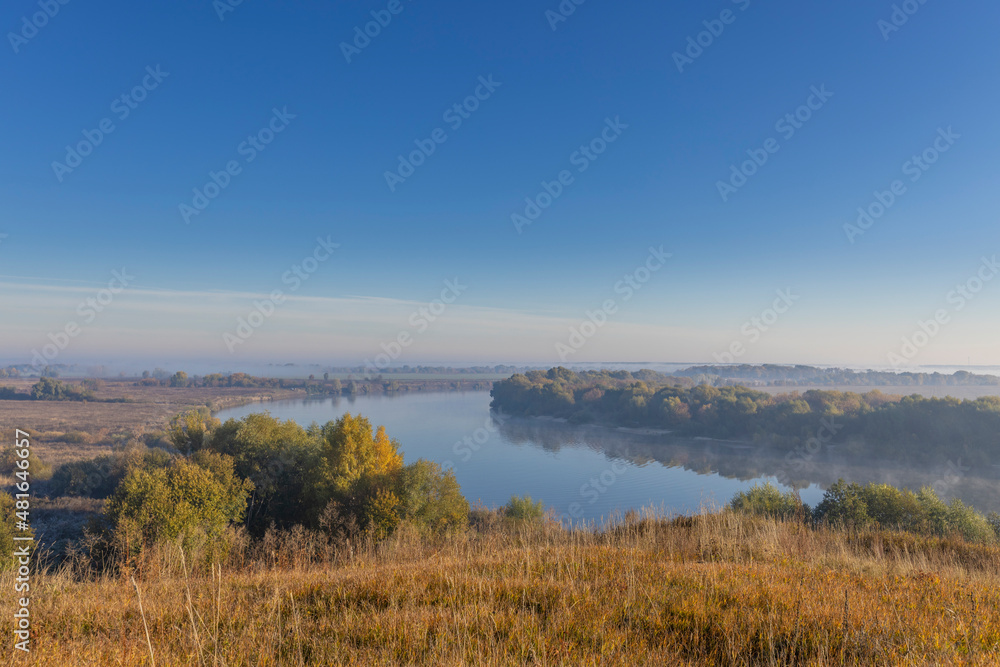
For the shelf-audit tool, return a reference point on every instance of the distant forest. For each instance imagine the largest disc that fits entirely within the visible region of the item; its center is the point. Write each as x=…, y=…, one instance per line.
x=912, y=428
x=776, y=375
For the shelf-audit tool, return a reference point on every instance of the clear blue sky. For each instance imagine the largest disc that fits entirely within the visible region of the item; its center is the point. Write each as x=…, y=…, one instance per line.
x=324, y=175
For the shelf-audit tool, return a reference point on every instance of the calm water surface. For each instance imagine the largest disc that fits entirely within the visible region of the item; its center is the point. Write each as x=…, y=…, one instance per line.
x=582, y=472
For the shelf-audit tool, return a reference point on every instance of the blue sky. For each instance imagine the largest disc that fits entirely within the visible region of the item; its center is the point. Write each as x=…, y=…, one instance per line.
x=656, y=184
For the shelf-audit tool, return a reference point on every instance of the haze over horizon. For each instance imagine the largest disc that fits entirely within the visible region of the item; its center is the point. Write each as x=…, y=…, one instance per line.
x=606, y=188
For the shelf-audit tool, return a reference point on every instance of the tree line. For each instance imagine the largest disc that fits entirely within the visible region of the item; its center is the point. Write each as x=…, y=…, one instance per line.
x=911, y=428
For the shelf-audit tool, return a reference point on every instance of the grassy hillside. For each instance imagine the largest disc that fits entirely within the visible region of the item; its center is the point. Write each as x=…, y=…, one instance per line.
x=719, y=589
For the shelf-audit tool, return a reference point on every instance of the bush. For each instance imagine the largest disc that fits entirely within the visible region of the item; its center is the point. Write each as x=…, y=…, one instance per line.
x=189, y=431
x=12, y=394
x=73, y=438
x=38, y=469
x=432, y=498
x=49, y=389
x=523, y=509
x=994, y=520
x=880, y=505
x=198, y=495
x=843, y=506
x=768, y=500
x=100, y=476
x=278, y=457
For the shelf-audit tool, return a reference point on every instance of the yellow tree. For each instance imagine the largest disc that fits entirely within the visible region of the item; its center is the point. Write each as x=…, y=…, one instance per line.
x=358, y=468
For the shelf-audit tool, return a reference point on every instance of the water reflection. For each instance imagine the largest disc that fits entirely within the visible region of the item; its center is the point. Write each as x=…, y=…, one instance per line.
x=602, y=470
x=746, y=461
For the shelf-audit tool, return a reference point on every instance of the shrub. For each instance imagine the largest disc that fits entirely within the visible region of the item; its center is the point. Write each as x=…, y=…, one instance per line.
x=994, y=520
x=100, y=476
x=381, y=513
x=843, y=506
x=201, y=494
x=12, y=394
x=853, y=505
x=279, y=458
x=49, y=389
x=768, y=500
x=432, y=498
x=968, y=523
x=38, y=469
x=189, y=431
x=523, y=509
x=73, y=438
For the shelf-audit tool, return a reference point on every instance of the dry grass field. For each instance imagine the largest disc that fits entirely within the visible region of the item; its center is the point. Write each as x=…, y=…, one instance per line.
x=66, y=431
x=718, y=589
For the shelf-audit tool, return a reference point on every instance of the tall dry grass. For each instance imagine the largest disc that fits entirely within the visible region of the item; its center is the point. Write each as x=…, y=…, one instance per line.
x=715, y=589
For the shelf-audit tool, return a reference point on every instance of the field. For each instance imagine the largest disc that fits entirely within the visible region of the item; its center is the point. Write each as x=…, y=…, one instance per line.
x=69, y=431
x=93, y=425
x=719, y=589
x=715, y=589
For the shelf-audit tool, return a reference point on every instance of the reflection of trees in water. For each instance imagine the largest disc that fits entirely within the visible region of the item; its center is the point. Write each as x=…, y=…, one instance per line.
x=750, y=461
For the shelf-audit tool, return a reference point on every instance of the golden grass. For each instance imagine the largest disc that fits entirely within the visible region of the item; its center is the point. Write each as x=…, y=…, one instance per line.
x=718, y=589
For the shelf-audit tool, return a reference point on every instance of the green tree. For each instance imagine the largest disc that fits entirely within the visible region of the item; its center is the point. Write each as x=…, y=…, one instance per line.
x=278, y=457
x=843, y=505
x=431, y=497
x=190, y=431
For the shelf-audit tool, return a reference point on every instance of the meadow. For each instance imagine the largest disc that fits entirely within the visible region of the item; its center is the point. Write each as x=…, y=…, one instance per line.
x=717, y=589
